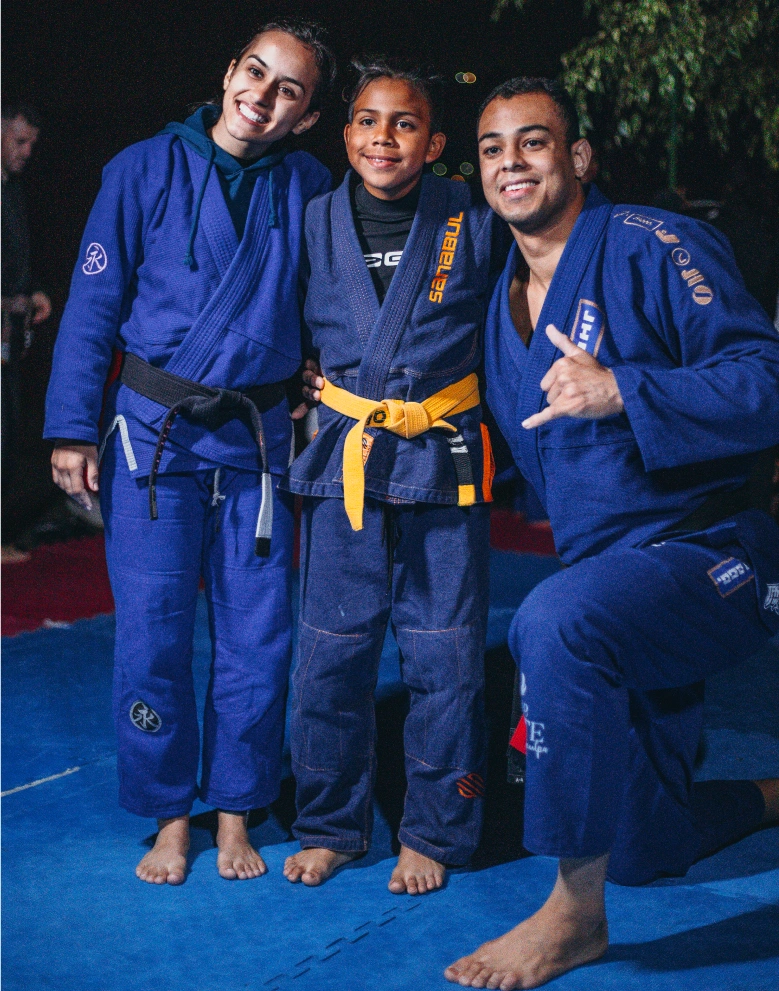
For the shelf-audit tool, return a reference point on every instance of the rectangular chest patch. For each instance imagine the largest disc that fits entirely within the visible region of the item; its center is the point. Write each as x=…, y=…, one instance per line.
x=729, y=575
x=588, y=327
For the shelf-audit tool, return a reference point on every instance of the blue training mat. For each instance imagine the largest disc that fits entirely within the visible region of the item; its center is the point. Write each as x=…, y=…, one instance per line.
x=77, y=919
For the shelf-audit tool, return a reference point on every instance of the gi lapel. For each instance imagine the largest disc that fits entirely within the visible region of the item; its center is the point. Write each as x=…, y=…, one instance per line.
x=240, y=276
x=404, y=289
x=560, y=300
x=359, y=290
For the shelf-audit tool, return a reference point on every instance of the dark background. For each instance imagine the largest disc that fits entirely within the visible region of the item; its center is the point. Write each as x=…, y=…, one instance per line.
x=106, y=73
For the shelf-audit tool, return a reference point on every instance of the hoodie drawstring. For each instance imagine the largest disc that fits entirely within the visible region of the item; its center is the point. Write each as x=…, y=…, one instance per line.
x=189, y=259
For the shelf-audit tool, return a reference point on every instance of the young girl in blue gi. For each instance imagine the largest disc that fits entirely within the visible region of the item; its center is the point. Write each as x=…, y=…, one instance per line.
x=395, y=486
x=189, y=268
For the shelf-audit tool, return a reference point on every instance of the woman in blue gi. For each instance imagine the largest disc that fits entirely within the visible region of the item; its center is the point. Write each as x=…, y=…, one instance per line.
x=395, y=486
x=189, y=269
x=636, y=415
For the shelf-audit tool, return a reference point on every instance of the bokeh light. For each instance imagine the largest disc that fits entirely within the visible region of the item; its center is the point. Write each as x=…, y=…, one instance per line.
x=469, y=77
x=458, y=178
x=466, y=168
x=460, y=77
x=440, y=169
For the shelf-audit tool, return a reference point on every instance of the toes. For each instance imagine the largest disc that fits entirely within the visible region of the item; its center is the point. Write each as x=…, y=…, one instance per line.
x=311, y=878
x=397, y=886
x=509, y=982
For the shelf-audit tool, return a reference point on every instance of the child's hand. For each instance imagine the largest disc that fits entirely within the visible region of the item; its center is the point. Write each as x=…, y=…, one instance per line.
x=312, y=377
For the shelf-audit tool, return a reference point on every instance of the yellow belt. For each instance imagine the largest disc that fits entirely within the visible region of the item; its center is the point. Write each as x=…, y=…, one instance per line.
x=405, y=419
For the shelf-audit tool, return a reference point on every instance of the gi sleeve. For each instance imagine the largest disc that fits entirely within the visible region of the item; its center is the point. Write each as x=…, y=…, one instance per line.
x=100, y=299
x=715, y=393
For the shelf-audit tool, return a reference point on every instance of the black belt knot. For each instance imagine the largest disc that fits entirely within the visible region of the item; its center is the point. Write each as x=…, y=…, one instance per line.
x=210, y=407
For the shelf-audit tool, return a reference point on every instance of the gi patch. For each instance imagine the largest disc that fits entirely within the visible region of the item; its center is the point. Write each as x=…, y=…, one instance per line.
x=729, y=575
x=588, y=327
x=144, y=717
x=96, y=259
x=772, y=599
x=471, y=786
x=648, y=223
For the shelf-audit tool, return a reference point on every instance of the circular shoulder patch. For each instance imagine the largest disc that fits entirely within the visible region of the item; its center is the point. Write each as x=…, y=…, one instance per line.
x=144, y=717
x=96, y=259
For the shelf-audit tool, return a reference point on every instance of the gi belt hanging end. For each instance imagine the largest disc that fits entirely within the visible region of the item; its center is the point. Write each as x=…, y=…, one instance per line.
x=265, y=519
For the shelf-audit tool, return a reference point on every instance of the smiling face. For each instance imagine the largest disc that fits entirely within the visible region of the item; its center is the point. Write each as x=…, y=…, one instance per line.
x=388, y=140
x=266, y=95
x=530, y=174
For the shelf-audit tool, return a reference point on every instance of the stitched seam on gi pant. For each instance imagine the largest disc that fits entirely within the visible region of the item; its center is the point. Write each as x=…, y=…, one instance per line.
x=330, y=633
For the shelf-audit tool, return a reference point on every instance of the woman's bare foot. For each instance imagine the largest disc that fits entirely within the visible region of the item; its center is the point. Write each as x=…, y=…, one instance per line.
x=568, y=931
x=315, y=865
x=237, y=858
x=166, y=862
x=415, y=874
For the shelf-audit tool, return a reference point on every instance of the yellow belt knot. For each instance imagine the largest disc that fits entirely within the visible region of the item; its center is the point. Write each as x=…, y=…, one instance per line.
x=404, y=419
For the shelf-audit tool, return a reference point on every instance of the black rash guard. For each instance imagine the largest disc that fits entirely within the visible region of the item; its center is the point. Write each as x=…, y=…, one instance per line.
x=382, y=229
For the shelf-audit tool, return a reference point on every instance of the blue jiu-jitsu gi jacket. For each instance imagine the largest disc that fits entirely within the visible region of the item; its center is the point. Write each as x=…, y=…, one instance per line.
x=657, y=298
x=424, y=337
x=228, y=318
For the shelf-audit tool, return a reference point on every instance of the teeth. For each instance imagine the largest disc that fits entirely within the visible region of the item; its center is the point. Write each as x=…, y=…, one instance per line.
x=247, y=111
x=519, y=185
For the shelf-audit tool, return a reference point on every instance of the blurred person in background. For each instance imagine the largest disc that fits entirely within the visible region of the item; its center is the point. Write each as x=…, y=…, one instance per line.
x=22, y=308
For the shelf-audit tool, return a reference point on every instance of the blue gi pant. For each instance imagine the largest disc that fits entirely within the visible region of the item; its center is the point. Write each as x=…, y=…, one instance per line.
x=425, y=569
x=205, y=527
x=613, y=652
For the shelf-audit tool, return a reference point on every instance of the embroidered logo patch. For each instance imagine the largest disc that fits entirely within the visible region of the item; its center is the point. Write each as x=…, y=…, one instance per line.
x=588, y=327
x=96, y=259
x=729, y=575
x=648, y=223
x=772, y=599
x=471, y=786
x=144, y=717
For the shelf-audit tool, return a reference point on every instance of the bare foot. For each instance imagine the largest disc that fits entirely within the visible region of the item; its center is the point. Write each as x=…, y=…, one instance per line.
x=12, y=555
x=237, y=858
x=415, y=874
x=166, y=862
x=770, y=789
x=315, y=865
x=568, y=931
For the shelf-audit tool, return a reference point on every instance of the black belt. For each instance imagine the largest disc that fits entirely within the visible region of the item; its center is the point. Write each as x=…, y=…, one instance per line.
x=714, y=509
x=212, y=408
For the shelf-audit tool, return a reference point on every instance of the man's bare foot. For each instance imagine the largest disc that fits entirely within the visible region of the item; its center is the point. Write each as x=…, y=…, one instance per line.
x=237, y=858
x=166, y=862
x=770, y=789
x=315, y=865
x=542, y=947
x=12, y=555
x=566, y=932
x=415, y=874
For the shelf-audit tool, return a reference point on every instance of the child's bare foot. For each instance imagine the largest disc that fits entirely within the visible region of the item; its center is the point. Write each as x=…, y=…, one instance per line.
x=315, y=865
x=415, y=874
x=568, y=931
x=237, y=858
x=166, y=862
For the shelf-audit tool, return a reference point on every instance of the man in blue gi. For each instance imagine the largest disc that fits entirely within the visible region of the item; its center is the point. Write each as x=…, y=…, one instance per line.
x=189, y=269
x=635, y=380
x=395, y=486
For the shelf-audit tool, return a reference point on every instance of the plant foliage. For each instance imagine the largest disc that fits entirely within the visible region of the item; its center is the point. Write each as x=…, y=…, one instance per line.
x=651, y=63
